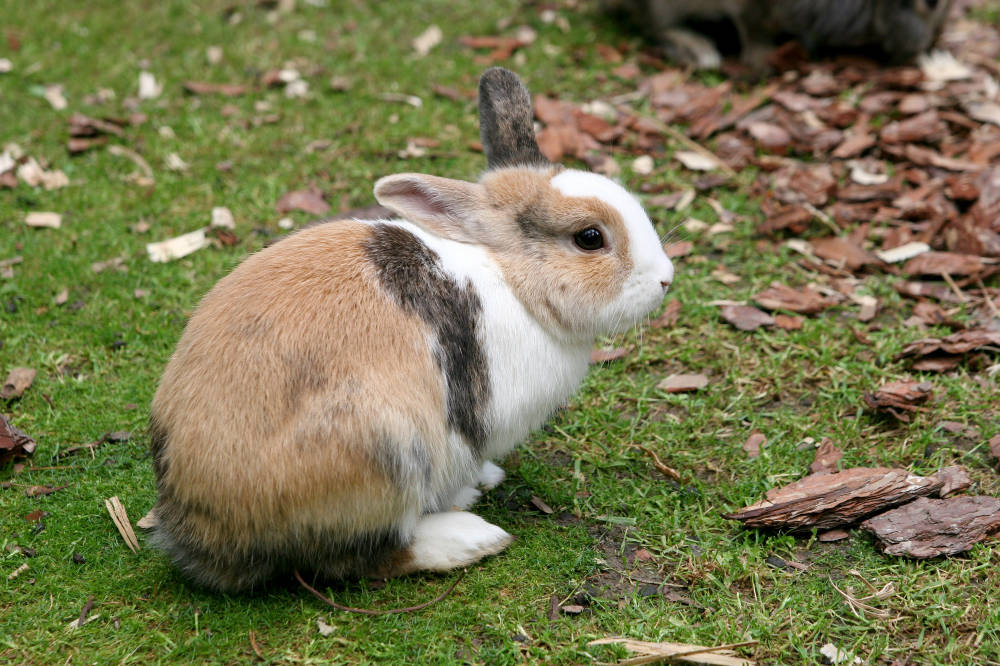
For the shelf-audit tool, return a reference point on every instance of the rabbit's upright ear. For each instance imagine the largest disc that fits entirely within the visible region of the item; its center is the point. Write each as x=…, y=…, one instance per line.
x=505, y=121
x=446, y=207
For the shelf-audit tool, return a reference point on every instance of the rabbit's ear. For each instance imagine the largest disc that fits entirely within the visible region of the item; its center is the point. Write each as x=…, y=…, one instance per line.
x=446, y=207
x=505, y=121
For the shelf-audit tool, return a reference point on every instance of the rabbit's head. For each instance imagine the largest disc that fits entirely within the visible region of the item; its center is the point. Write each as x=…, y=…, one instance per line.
x=577, y=249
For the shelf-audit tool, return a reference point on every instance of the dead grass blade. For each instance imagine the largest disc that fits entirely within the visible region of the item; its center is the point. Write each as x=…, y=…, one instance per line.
x=722, y=655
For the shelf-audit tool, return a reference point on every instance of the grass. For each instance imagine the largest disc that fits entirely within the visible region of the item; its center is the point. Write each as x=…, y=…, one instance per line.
x=100, y=355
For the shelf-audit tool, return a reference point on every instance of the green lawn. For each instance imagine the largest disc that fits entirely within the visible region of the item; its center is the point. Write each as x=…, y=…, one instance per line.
x=100, y=354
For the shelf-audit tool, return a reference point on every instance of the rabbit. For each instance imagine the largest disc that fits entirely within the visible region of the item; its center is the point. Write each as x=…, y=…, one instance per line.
x=894, y=30
x=334, y=401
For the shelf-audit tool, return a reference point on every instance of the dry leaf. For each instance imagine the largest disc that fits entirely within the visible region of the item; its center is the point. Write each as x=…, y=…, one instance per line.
x=830, y=500
x=683, y=383
x=842, y=252
x=933, y=527
x=994, y=445
x=148, y=87
x=18, y=381
x=939, y=263
x=903, y=252
x=745, y=317
x=310, y=201
x=678, y=249
x=40, y=491
x=788, y=322
x=782, y=297
x=754, y=442
x=669, y=316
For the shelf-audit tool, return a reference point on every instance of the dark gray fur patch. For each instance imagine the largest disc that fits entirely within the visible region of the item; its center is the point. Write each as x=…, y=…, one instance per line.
x=314, y=552
x=412, y=274
x=505, y=121
x=404, y=466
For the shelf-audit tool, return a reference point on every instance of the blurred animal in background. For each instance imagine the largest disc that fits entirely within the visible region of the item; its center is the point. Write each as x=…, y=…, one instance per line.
x=698, y=33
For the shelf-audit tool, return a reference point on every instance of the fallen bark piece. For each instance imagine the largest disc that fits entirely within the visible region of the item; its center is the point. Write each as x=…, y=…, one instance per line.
x=683, y=383
x=898, y=398
x=956, y=343
x=825, y=500
x=746, y=317
x=17, y=383
x=995, y=447
x=932, y=527
x=722, y=655
x=833, y=535
x=13, y=442
x=827, y=456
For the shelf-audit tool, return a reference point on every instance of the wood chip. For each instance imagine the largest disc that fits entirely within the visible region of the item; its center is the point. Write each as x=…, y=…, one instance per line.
x=175, y=248
x=898, y=398
x=827, y=457
x=120, y=519
x=310, y=201
x=826, y=500
x=683, y=383
x=17, y=382
x=43, y=220
x=933, y=527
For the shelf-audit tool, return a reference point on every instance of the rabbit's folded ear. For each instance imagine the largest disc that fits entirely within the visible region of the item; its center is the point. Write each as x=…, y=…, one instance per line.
x=446, y=207
x=505, y=121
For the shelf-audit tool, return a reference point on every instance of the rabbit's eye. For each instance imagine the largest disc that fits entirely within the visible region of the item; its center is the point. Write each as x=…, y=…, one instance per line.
x=589, y=239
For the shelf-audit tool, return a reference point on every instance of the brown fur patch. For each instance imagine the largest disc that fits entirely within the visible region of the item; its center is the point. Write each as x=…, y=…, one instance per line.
x=531, y=233
x=293, y=370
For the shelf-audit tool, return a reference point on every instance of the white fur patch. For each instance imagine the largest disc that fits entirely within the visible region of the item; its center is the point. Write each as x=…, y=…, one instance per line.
x=531, y=373
x=642, y=290
x=443, y=541
x=465, y=498
x=491, y=476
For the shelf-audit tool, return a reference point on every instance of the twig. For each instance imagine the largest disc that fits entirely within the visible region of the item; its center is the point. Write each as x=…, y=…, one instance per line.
x=659, y=465
x=822, y=217
x=989, y=298
x=366, y=611
x=86, y=609
x=255, y=647
x=677, y=135
x=954, y=287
